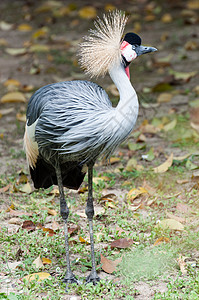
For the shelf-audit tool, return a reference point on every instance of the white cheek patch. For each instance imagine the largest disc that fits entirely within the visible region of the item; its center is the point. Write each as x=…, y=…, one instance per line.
x=129, y=53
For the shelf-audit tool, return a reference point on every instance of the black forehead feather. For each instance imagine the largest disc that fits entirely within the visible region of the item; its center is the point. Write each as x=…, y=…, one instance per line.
x=132, y=38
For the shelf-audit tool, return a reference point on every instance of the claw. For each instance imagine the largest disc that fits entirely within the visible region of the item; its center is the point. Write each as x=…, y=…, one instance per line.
x=70, y=278
x=93, y=278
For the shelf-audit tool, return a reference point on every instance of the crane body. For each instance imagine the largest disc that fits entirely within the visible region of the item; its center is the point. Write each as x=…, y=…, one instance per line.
x=70, y=124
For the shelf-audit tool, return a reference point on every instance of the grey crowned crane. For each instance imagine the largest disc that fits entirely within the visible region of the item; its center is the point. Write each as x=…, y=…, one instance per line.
x=70, y=124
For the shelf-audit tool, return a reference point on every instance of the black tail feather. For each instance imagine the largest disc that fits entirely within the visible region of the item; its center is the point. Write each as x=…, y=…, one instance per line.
x=44, y=176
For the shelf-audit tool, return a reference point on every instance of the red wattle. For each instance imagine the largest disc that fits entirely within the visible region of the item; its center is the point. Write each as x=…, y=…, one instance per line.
x=127, y=72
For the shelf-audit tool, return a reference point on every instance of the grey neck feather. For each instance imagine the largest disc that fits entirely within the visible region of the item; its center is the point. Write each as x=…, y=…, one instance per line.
x=127, y=108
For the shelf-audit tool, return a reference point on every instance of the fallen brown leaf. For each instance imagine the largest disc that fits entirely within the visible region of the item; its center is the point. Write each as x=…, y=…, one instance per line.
x=28, y=225
x=46, y=261
x=122, y=243
x=37, y=276
x=5, y=188
x=179, y=219
x=182, y=207
x=109, y=266
x=165, y=166
x=55, y=225
x=73, y=229
x=16, y=221
x=182, y=264
x=170, y=224
x=82, y=240
x=38, y=262
x=88, y=12
x=50, y=231
x=18, y=213
x=161, y=240
x=135, y=192
x=13, y=97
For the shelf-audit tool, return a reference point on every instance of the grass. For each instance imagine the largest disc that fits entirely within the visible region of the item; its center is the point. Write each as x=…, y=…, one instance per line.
x=141, y=262
x=147, y=264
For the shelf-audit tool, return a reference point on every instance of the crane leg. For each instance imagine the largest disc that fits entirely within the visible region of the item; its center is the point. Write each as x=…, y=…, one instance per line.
x=64, y=211
x=92, y=277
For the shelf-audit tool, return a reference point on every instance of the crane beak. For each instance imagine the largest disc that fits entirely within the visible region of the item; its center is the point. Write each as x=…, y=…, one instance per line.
x=143, y=49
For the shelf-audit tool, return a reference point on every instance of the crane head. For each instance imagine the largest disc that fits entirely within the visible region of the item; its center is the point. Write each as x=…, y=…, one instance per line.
x=131, y=48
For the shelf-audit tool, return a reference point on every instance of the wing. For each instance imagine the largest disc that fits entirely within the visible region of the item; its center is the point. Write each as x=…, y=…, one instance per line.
x=73, y=94
x=63, y=116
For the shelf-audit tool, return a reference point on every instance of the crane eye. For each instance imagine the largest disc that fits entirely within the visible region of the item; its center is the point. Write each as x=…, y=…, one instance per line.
x=133, y=47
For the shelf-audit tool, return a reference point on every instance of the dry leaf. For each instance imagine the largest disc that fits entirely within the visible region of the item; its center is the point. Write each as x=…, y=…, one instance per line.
x=191, y=45
x=5, y=26
x=109, y=7
x=109, y=266
x=3, y=42
x=182, y=264
x=21, y=117
x=182, y=181
x=166, y=18
x=185, y=76
x=13, y=265
x=82, y=190
x=39, y=48
x=88, y=12
x=182, y=207
x=24, y=27
x=5, y=188
x=135, y=192
x=114, y=160
x=161, y=240
x=16, y=221
x=108, y=197
x=55, y=225
x=38, y=262
x=193, y=4
x=40, y=33
x=16, y=51
x=170, y=224
x=13, y=97
x=122, y=243
x=28, y=225
x=131, y=164
x=52, y=212
x=50, y=231
x=6, y=111
x=97, y=180
x=12, y=81
x=134, y=208
x=149, y=128
x=82, y=240
x=171, y=125
x=183, y=157
x=73, y=229
x=164, y=97
x=165, y=166
x=18, y=213
x=26, y=188
x=179, y=219
x=37, y=276
x=46, y=261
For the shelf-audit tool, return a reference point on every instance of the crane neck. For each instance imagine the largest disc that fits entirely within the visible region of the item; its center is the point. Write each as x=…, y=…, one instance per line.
x=128, y=97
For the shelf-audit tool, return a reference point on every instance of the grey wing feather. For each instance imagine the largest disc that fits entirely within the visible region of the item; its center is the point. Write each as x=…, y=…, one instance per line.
x=73, y=118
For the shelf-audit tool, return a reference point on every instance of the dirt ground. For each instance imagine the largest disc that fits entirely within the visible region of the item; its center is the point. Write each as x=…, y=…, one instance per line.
x=170, y=26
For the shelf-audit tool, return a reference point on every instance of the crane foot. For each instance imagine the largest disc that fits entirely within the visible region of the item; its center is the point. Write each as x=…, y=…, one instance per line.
x=93, y=278
x=70, y=278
